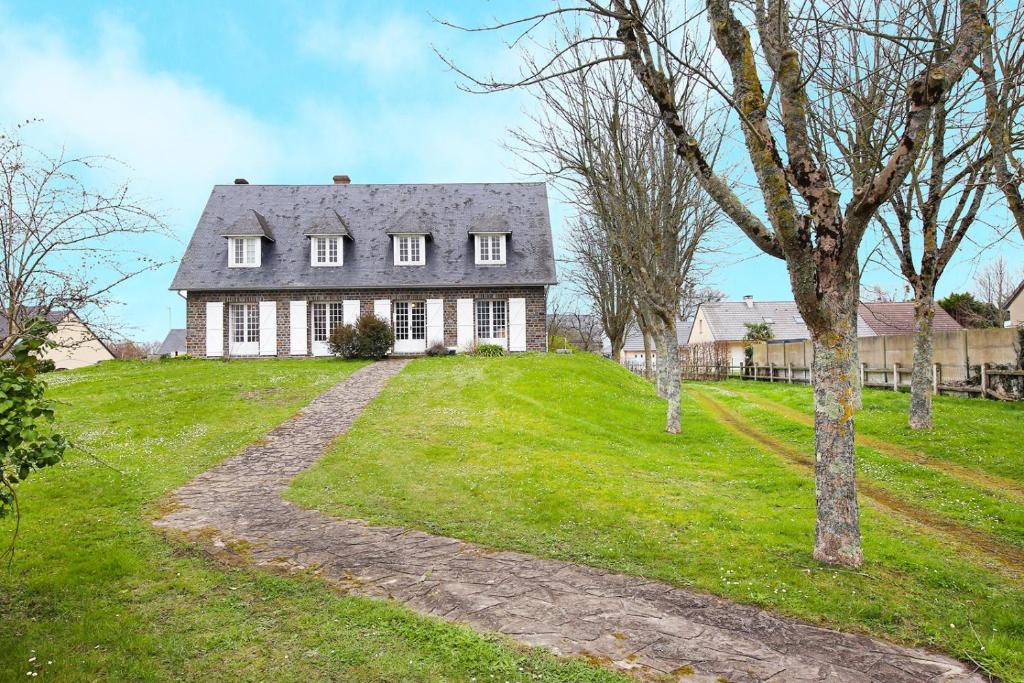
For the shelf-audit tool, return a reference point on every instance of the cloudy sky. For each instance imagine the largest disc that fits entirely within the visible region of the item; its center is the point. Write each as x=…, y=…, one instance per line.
x=188, y=96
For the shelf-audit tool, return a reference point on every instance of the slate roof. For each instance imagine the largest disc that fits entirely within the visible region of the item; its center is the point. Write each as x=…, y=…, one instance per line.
x=635, y=340
x=449, y=212
x=727, y=320
x=250, y=223
x=54, y=316
x=898, y=318
x=174, y=342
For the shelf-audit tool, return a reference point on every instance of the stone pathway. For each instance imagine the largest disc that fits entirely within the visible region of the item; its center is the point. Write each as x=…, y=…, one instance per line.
x=648, y=628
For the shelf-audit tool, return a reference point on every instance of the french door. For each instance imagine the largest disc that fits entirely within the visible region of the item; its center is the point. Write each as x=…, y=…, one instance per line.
x=410, y=322
x=325, y=317
x=244, y=327
x=492, y=322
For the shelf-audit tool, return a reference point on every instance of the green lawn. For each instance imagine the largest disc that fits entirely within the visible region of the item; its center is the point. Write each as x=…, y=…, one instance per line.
x=565, y=457
x=95, y=594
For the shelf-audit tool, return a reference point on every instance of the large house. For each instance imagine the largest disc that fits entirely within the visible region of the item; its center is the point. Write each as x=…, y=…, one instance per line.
x=272, y=269
x=73, y=344
x=633, y=344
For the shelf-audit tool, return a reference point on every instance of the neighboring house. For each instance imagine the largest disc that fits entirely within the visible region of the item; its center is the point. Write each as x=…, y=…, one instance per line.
x=726, y=321
x=633, y=347
x=272, y=269
x=898, y=318
x=174, y=343
x=74, y=344
x=1014, y=305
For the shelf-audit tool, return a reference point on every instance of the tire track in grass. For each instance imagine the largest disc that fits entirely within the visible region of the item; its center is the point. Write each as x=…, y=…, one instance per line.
x=1006, y=554
x=993, y=483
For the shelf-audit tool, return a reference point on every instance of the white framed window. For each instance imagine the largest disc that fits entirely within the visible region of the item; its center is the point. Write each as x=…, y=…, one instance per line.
x=244, y=252
x=410, y=324
x=490, y=250
x=244, y=328
x=326, y=251
x=410, y=250
x=325, y=316
x=492, y=321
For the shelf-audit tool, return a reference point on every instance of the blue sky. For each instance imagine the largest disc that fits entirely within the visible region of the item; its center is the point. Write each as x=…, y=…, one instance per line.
x=189, y=94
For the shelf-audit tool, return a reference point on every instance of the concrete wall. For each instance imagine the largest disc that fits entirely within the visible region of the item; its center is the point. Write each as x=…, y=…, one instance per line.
x=956, y=349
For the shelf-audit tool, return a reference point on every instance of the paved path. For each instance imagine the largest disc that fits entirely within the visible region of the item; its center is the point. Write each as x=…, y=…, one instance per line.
x=645, y=627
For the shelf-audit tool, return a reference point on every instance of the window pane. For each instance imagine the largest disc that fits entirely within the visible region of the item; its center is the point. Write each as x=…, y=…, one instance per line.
x=332, y=250
x=401, y=320
x=321, y=249
x=483, y=319
x=403, y=249
x=415, y=249
x=237, y=323
x=252, y=332
x=419, y=320
x=497, y=242
x=336, y=318
x=320, y=322
x=250, y=252
x=499, y=309
x=239, y=251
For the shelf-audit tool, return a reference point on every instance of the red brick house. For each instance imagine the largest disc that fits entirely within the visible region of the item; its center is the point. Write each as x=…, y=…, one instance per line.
x=272, y=269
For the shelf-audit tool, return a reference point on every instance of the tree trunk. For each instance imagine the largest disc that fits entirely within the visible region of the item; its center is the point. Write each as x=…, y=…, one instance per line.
x=668, y=362
x=837, y=537
x=921, y=375
x=617, y=345
x=661, y=377
x=648, y=366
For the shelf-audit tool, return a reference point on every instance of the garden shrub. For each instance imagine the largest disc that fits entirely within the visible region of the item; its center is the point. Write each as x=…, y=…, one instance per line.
x=28, y=441
x=490, y=350
x=369, y=338
x=342, y=341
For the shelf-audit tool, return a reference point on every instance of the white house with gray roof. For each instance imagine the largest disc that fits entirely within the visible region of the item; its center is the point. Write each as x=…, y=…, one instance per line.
x=726, y=321
x=272, y=269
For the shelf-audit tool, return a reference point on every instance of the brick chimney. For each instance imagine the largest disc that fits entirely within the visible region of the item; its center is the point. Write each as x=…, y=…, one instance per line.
x=342, y=180
x=749, y=300
x=241, y=181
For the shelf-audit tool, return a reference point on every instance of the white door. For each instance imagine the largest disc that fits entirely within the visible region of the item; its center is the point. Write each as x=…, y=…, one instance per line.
x=492, y=322
x=325, y=317
x=517, y=324
x=297, y=323
x=214, y=328
x=244, y=322
x=268, y=328
x=410, y=326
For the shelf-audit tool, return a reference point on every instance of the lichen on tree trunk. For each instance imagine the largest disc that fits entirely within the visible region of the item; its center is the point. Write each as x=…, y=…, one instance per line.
x=921, y=375
x=668, y=363
x=837, y=536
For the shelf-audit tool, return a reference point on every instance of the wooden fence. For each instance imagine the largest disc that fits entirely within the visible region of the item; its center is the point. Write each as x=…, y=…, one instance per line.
x=1005, y=385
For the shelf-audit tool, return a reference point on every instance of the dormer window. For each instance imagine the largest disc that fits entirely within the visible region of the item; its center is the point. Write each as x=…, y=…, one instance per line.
x=326, y=251
x=244, y=252
x=410, y=250
x=490, y=250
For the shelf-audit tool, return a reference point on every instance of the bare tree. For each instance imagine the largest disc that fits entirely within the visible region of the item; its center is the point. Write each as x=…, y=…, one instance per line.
x=808, y=226
x=598, y=134
x=64, y=244
x=1002, y=72
x=694, y=295
x=994, y=282
x=599, y=277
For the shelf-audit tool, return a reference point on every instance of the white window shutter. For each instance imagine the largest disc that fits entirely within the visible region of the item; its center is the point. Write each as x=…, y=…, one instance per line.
x=464, y=323
x=268, y=328
x=350, y=311
x=517, y=324
x=214, y=328
x=297, y=324
x=382, y=309
x=435, y=322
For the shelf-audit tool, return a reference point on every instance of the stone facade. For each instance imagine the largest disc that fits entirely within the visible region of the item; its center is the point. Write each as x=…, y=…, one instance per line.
x=195, y=340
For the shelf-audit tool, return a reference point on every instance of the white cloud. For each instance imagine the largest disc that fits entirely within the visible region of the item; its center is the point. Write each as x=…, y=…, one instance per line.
x=384, y=48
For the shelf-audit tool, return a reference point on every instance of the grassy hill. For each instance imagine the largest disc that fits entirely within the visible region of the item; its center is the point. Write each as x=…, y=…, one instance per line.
x=565, y=457
x=94, y=594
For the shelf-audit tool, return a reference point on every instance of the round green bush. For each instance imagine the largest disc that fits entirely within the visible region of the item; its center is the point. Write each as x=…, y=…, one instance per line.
x=342, y=341
x=373, y=337
x=490, y=350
